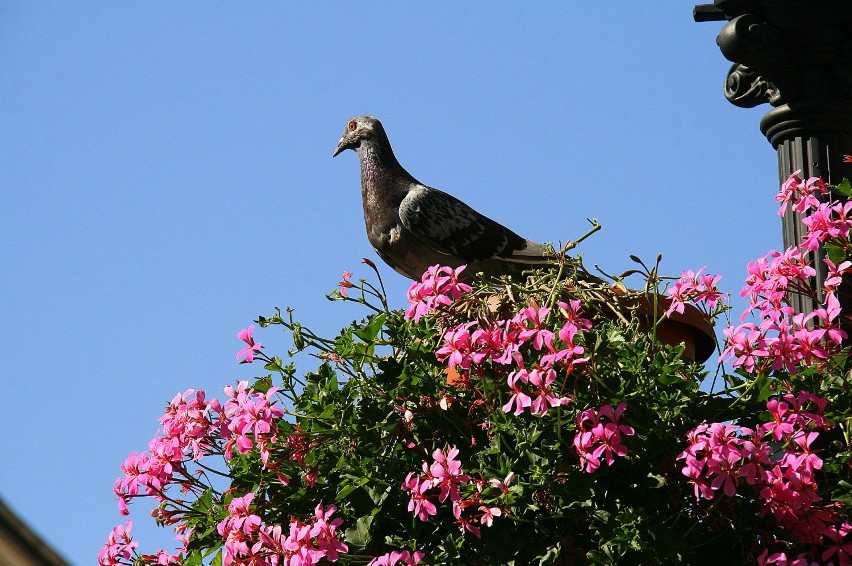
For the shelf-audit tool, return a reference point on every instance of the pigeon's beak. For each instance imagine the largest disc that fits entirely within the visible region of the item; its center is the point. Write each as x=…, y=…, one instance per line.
x=341, y=145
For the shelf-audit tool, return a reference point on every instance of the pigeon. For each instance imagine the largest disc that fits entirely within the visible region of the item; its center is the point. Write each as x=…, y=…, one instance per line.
x=413, y=227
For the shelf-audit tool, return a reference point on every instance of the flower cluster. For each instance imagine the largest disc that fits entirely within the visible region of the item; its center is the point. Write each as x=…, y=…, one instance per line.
x=544, y=398
x=770, y=279
x=249, y=541
x=191, y=421
x=445, y=475
x=599, y=433
x=695, y=287
x=119, y=546
x=801, y=194
x=827, y=221
x=776, y=461
x=192, y=428
x=401, y=557
x=724, y=457
x=439, y=286
x=250, y=418
x=475, y=343
x=189, y=427
x=783, y=339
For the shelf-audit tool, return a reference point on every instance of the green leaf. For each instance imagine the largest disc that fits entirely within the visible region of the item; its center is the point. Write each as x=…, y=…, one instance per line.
x=359, y=534
x=835, y=253
x=844, y=188
x=370, y=331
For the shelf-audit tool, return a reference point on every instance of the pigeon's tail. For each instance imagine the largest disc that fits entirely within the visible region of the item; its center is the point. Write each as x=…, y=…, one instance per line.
x=532, y=253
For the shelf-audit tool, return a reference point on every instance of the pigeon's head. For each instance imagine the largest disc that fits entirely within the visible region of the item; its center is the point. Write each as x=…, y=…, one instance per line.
x=360, y=129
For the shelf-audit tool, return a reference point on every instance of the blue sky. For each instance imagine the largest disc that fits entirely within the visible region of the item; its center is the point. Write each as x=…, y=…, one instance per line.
x=166, y=176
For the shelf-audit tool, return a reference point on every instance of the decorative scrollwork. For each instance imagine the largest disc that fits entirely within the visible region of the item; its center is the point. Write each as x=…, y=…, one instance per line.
x=763, y=72
x=747, y=89
x=786, y=50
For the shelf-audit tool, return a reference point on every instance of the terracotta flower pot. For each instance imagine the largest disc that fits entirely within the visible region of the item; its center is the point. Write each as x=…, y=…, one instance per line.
x=690, y=327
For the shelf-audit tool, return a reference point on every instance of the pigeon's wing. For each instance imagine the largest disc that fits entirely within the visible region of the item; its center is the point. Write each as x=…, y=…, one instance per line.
x=450, y=226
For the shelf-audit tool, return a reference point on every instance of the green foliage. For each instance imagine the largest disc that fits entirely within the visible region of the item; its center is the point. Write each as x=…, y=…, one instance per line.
x=380, y=403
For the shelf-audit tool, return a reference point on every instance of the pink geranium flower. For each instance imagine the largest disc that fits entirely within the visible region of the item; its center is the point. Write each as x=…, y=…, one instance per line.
x=438, y=287
x=544, y=398
x=803, y=195
x=119, y=546
x=403, y=558
x=419, y=504
x=695, y=287
x=835, y=274
x=596, y=437
x=518, y=399
x=531, y=321
x=345, y=283
x=324, y=530
x=447, y=474
x=251, y=347
x=458, y=349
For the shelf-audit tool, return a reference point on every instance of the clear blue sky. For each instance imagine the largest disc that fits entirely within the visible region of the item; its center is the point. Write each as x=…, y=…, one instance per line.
x=166, y=177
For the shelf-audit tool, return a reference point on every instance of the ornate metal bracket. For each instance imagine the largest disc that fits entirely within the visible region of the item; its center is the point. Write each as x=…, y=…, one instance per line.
x=747, y=89
x=762, y=65
x=783, y=50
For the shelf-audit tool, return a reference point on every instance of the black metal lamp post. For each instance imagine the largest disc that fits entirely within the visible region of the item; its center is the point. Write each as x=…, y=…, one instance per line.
x=797, y=56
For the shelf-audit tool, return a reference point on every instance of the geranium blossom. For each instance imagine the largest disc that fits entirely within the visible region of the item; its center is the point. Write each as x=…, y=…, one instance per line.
x=720, y=455
x=419, y=503
x=531, y=322
x=324, y=530
x=192, y=420
x=248, y=352
x=458, y=349
x=503, y=485
x=190, y=426
x=247, y=540
x=119, y=546
x=840, y=545
x=518, y=398
x=826, y=221
x=695, y=287
x=804, y=195
x=568, y=352
x=400, y=557
x=596, y=437
x=746, y=345
x=497, y=342
x=835, y=274
x=439, y=286
x=545, y=398
x=344, y=283
x=250, y=420
x=446, y=473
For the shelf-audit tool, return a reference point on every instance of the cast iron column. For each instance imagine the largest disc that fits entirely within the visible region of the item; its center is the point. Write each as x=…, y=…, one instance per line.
x=795, y=55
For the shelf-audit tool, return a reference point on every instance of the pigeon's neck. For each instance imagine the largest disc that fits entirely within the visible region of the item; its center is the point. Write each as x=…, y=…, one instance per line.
x=379, y=166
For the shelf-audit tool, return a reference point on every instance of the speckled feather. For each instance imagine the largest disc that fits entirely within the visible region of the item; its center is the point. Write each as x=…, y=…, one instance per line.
x=412, y=226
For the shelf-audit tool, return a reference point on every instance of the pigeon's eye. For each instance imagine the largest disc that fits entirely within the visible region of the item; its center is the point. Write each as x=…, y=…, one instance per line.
x=351, y=125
